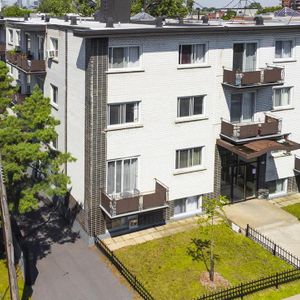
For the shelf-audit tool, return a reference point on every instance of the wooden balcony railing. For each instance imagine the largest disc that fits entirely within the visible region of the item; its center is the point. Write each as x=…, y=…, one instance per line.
x=2, y=48
x=270, y=127
x=297, y=163
x=267, y=76
x=26, y=63
x=137, y=202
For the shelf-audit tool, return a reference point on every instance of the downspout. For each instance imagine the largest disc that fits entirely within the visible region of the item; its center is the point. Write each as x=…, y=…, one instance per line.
x=66, y=97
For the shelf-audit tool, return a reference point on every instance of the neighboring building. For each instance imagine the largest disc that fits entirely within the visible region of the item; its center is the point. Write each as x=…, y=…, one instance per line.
x=163, y=117
x=294, y=4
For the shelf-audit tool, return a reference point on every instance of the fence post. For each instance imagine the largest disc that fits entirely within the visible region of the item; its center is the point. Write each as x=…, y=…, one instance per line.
x=242, y=291
x=276, y=283
x=274, y=250
x=247, y=230
x=135, y=281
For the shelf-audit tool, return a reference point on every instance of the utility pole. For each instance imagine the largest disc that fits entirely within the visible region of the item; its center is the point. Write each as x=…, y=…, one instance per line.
x=8, y=240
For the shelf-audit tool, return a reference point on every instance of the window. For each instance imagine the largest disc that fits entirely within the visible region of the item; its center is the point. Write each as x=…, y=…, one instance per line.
x=278, y=186
x=283, y=49
x=244, y=56
x=41, y=48
x=54, y=94
x=192, y=54
x=282, y=97
x=242, y=107
x=187, y=205
x=55, y=143
x=124, y=57
x=122, y=176
x=27, y=42
x=190, y=106
x=18, y=38
x=123, y=113
x=10, y=36
x=54, y=46
x=186, y=158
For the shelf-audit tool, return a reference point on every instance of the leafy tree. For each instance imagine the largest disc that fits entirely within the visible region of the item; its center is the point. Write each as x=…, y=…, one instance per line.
x=190, y=5
x=169, y=8
x=230, y=14
x=56, y=7
x=15, y=11
x=269, y=9
x=255, y=5
x=203, y=249
x=31, y=165
x=86, y=8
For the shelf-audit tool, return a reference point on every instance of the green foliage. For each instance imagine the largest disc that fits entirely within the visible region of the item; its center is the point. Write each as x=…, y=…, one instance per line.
x=293, y=209
x=269, y=9
x=230, y=14
x=15, y=11
x=255, y=5
x=84, y=9
x=56, y=7
x=31, y=166
x=169, y=8
x=190, y=5
x=6, y=90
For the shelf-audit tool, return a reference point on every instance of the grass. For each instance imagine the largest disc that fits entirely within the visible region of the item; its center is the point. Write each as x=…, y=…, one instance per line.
x=293, y=209
x=168, y=272
x=4, y=285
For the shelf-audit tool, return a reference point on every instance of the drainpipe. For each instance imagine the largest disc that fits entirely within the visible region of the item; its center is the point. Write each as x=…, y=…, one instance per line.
x=66, y=97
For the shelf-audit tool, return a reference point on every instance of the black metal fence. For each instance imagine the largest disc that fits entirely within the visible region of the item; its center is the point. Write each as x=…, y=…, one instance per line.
x=272, y=247
x=239, y=291
x=135, y=283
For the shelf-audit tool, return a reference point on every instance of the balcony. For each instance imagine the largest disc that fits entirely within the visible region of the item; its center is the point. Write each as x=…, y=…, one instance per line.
x=2, y=49
x=136, y=202
x=297, y=164
x=18, y=98
x=238, y=133
x=264, y=77
x=25, y=63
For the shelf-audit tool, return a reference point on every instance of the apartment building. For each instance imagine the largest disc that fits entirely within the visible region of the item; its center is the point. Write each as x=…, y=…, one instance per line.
x=163, y=116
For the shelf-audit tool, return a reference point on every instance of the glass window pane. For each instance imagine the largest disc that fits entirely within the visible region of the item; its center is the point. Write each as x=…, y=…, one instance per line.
x=278, y=49
x=198, y=54
x=236, y=108
x=179, y=206
x=250, y=63
x=118, y=58
x=183, y=159
x=277, y=97
x=129, y=112
x=198, y=105
x=272, y=187
x=111, y=177
x=287, y=49
x=184, y=107
x=196, y=153
x=114, y=114
x=285, y=95
x=118, y=176
x=185, y=54
x=134, y=54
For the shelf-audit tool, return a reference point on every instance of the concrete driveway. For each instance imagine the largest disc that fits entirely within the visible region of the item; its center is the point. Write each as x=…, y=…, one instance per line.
x=280, y=226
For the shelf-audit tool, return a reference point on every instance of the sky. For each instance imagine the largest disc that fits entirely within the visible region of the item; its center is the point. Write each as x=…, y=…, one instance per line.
x=223, y=3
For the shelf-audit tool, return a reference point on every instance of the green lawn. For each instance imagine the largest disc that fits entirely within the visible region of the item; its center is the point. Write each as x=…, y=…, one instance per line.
x=4, y=286
x=293, y=209
x=167, y=271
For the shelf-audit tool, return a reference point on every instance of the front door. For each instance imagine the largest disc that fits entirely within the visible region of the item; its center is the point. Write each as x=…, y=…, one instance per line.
x=244, y=56
x=242, y=107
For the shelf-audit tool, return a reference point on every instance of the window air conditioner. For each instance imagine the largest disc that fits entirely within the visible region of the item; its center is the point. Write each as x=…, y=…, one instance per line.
x=51, y=54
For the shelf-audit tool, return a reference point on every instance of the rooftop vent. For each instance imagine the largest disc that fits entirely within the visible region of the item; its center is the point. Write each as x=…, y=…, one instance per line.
x=110, y=22
x=159, y=22
x=66, y=18
x=119, y=10
x=180, y=20
x=47, y=19
x=205, y=19
x=73, y=21
x=43, y=17
x=26, y=17
x=259, y=20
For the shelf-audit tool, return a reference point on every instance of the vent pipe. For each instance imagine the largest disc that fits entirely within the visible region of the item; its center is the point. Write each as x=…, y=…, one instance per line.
x=66, y=18
x=159, y=22
x=47, y=19
x=259, y=20
x=110, y=22
x=205, y=19
x=73, y=21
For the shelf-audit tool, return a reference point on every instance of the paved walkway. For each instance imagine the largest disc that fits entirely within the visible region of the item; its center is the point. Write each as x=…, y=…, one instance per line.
x=63, y=266
x=272, y=221
x=151, y=233
x=287, y=200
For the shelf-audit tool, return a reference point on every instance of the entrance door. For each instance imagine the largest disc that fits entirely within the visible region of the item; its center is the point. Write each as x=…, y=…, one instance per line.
x=244, y=56
x=242, y=107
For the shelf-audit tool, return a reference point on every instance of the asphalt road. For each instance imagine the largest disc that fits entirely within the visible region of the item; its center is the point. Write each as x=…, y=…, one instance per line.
x=62, y=266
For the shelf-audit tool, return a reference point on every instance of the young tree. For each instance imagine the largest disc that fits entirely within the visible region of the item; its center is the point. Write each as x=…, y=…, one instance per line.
x=31, y=165
x=203, y=248
x=15, y=11
x=56, y=7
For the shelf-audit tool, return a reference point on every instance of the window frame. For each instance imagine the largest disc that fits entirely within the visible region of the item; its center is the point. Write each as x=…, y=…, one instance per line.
x=54, y=88
x=122, y=174
x=280, y=193
x=191, y=106
x=291, y=57
x=190, y=158
x=18, y=38
x=290, y=97
x=110, y=56
x=205, y=57
x=54, y=47
x=122, y=112
x=198, y=210
x=10, y=36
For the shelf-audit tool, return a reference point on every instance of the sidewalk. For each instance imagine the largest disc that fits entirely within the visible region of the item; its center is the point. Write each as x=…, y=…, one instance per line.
x=286, y=200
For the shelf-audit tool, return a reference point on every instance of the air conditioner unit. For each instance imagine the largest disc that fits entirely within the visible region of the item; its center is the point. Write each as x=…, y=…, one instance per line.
x=50, y=54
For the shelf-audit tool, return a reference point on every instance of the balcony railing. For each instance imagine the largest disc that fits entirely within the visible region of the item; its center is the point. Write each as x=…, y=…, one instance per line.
x=136, y=202
x=297, y=163
x=266, y=76
x=237, y=132
x=2, y=48
x=26, y=63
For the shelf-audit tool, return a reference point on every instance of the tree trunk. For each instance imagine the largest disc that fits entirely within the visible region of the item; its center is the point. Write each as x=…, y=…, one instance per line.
x=212, y=269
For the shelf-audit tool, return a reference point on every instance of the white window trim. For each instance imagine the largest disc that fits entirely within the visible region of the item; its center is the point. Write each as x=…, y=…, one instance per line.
x=123, y=159
x=53, y=104
x=286, y=59
x=128, y=124
x=284, y=192
x=205, y=64
x=283, y=107
x=10, y=36
x=190, y=169
x=192, y=117
x=18, y=41
x=52, y=48
x=127, y=70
